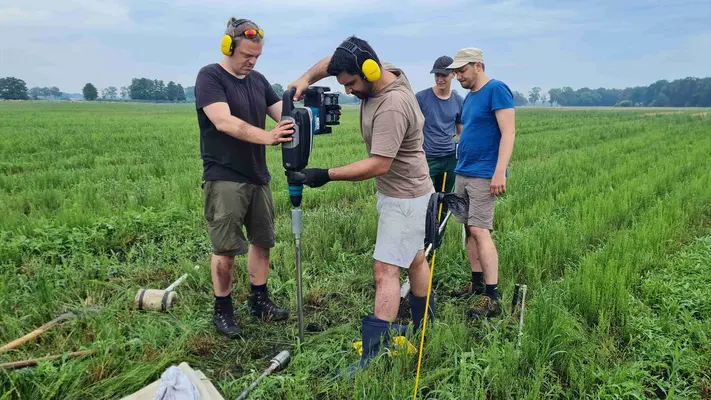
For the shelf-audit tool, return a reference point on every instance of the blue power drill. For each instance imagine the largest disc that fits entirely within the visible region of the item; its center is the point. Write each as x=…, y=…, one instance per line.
x=320, y=110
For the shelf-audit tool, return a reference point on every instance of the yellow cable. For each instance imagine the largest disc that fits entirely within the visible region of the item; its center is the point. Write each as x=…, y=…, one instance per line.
x=429, y=292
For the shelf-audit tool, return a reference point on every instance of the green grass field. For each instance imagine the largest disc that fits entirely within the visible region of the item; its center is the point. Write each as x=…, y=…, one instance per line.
x=607, y=219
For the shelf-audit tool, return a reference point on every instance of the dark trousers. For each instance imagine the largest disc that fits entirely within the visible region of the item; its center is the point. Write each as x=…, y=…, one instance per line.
x=438, y=166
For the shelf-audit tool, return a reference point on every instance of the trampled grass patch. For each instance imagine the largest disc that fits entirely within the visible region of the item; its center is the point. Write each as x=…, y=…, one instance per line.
x=607, y=220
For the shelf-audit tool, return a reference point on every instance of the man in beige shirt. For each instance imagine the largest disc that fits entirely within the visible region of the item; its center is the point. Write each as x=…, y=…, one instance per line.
x=391, y=125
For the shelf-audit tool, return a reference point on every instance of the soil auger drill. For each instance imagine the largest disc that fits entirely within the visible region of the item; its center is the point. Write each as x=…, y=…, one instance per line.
x=320, y=110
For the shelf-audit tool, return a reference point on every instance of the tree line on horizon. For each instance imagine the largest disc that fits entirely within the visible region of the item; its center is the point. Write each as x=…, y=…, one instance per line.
x=686, y=92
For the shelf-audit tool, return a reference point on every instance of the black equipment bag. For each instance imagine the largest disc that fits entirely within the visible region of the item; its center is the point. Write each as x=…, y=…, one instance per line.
x=454, y=203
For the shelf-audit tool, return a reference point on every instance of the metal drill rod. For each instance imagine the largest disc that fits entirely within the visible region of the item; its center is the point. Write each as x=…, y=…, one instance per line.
x=296, y=228
x=277, y=362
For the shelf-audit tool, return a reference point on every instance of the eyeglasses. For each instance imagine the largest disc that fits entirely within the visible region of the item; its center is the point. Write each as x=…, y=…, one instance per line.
x=252, y=33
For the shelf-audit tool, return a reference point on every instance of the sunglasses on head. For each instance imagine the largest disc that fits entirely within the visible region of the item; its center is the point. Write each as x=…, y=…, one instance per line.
x=252, y=33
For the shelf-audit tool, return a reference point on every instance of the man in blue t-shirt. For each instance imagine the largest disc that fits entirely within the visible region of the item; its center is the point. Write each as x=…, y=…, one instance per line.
x=442, y=109
x=485, y=147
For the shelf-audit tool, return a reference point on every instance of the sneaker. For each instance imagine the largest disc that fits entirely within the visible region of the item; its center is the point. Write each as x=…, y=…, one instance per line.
x=485, y=307
x=262, y=307
x=224, y=320
x=468, y=290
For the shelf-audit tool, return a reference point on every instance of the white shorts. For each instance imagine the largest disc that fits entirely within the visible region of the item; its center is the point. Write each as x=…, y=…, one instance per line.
x=401, y=229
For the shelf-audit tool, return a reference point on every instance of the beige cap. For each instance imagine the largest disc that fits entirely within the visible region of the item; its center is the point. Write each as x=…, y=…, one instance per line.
x=466, y=56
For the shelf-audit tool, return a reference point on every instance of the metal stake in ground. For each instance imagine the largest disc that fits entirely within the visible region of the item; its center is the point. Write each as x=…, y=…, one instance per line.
x=523, y=308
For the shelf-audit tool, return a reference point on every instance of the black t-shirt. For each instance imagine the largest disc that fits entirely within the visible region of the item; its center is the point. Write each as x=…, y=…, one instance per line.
x=223, y=156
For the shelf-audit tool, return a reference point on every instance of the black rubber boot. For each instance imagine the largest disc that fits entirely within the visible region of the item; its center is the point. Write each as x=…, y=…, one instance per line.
x=376, y=336
x=417, y=305
x=262, y=307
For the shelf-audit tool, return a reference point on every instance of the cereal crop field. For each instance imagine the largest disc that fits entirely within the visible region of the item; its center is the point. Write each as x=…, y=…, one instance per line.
x=607, y=220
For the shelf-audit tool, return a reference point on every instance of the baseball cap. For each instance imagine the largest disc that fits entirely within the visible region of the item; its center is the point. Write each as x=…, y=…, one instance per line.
x=440, y=65
x=466, y=56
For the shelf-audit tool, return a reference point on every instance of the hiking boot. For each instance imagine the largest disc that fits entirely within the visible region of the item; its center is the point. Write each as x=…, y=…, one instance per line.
x=224, y=320
x=262, y=307
x=485, y=307
x=468, y=290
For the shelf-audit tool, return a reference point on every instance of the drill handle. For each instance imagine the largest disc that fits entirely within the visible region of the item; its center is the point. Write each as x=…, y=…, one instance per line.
x=294, y=178
x=287, y=102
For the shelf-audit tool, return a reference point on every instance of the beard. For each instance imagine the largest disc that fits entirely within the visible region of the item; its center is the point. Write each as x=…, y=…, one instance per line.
x=469, y=83
x=366, y=94
x=466, y=84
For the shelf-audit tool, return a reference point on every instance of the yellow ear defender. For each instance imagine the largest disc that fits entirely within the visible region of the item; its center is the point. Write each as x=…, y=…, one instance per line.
x=227, y=45
x=370, y=70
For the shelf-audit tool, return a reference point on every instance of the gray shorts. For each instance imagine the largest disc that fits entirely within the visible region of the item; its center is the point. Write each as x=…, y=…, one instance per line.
x=480, y=201
x=401, y=229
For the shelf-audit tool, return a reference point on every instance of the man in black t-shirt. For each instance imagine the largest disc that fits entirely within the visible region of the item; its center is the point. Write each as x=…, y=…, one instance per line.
x=232, y=101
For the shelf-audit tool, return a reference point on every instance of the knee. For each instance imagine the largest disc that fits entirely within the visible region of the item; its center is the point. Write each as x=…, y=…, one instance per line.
x=419, y=262
x=224, y=263
x=259, y=251
x=479, y=234
x=385, y=273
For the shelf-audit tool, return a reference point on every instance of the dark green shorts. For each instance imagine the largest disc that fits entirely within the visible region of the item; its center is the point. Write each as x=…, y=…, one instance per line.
x=231, y=205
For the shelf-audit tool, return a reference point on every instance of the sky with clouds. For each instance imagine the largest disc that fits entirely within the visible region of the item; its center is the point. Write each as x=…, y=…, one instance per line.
x=544, y=43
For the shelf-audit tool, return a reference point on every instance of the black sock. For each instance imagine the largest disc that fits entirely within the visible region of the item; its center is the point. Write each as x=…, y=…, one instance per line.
x=493, y=291
x=259, y=288
x=478, y=279
x=222, y=302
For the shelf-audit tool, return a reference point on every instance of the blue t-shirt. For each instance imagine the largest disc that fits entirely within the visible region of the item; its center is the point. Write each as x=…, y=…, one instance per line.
x=440, y=119
x=479, y=142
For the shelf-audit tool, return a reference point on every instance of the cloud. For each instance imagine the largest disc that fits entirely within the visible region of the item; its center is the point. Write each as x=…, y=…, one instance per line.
x=503, y=20
x=66, y=13
x=13, y=14
x=546, y=43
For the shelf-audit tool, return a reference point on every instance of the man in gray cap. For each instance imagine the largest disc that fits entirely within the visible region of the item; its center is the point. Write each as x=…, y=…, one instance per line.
x=486, y=144
x=442, y=109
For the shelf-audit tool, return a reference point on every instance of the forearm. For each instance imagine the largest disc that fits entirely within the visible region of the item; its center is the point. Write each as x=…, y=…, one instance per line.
x=318, y=71
x=239, y=129
x=358, y=171
x=505, y=150
x=275, y=111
